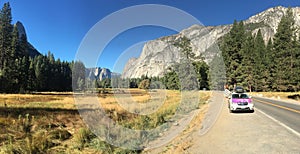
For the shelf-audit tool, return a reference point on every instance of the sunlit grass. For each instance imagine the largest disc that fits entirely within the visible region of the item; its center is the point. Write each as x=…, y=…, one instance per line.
x=47, y=100
x=30, y=112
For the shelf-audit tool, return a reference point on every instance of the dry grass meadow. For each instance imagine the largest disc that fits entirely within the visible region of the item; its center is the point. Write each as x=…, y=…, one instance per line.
x=289, y=96
x=50, y=122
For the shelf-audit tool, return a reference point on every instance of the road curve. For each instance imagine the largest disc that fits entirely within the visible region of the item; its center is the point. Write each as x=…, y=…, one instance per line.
x=256, y=132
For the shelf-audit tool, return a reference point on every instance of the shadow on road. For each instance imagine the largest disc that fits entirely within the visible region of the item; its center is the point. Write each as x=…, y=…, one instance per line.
x=242, y=112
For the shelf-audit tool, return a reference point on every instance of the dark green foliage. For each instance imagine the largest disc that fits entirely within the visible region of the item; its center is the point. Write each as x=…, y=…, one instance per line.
x=246, y=59
x=78, y=76
x=270, y=68
x=134, y=83
x=248, y=63
x=171, y=80
x=263, y=67
x=191, y=72
x=202, y=70
x=184, y=44
x=5, y=34
x=20, y=73
x=295, y=77
x=260, y=62
x=232, y=52
x=104, y=83
x=284, y=50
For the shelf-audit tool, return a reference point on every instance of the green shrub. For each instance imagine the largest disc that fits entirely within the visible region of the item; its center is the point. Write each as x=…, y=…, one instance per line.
x=102, y=146
x=83, y=137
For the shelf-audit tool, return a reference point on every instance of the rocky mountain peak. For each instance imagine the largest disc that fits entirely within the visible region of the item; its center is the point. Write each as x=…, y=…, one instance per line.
x=100, y=73
x=271, y=17
x=31, y=49
x=21, y=29
x=157, y=55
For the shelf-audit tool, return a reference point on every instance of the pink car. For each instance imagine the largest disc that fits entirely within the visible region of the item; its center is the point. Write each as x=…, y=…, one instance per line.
x=240, y=102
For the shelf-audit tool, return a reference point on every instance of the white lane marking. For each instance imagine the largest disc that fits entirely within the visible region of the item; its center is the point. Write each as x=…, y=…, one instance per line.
x=280, y=123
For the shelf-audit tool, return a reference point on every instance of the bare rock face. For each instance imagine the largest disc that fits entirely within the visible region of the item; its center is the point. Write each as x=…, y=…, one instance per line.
x=157, y=55
x=100, y=73
x=21, y=29
x=31, y=49
x=268, y=21
x=105, y=73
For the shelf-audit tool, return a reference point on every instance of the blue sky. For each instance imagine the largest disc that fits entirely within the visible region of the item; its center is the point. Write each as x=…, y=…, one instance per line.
x=60, y=25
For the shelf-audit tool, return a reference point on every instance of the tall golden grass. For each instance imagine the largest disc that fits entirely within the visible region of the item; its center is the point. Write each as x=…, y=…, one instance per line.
x=31, y=112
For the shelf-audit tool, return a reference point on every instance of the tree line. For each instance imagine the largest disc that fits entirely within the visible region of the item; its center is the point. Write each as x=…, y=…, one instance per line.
x=21, y=73
x=259, y=66
x=249, y=61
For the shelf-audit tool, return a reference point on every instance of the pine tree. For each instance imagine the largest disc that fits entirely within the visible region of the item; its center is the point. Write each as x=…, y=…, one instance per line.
x=247, y=63
x=40, y=73
x=23, y=75
x=184, y=45
x=5, y=42
x=295, y=65
x=269, y=67
x=231, y=48
x=259, y=64
x=5, y=32
x=185, y=69
x=31, y=82
x=78, y=75
x=202, y=71
x=171, y=80
x=283, y=51
x=23, y=56
x=13, y=63
x=18, y=72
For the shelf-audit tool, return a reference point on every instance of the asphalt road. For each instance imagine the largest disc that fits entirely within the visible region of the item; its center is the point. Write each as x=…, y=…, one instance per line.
x=272, y=128
x=285, y=113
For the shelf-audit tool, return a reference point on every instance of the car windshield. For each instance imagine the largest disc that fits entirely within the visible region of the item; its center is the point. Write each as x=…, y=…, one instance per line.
x=240, y=96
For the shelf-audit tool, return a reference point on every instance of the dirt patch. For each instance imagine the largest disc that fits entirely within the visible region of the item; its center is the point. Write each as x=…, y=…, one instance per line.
x=185, y=139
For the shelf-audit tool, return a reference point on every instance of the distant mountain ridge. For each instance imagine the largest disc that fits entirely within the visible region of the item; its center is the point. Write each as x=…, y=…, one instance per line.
x=100, y=73
x=157, y=55
x=91, y=73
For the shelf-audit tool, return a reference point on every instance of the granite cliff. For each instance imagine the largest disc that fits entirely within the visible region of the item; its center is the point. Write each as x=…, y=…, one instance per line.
x=157, y=55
